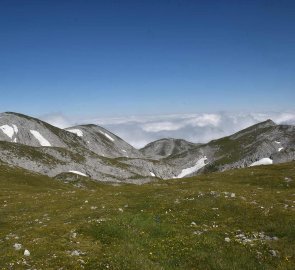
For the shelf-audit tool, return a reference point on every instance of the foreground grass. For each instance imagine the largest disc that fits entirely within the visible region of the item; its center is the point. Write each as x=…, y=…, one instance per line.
x=241, y=219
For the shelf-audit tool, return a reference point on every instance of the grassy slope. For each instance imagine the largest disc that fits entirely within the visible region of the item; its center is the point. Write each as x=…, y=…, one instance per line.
x=231, y=149
x=150, y=226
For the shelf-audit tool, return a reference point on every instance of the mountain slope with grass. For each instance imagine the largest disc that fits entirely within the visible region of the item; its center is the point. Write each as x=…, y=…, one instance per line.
x=23, y=129
x=37, y=146
x=103, y=142
x=166, y=147
x=262, y=142
x=95, y=152
x=239, y=219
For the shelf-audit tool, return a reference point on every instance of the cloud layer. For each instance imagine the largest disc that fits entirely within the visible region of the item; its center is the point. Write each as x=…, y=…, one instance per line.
x=202, y=127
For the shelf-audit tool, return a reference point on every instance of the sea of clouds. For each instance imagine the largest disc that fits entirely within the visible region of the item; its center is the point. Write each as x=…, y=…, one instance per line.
x=199, y=127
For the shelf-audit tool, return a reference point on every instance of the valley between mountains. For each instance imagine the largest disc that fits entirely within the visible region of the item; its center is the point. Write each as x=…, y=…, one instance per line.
x=94, y=152
x=68, y=199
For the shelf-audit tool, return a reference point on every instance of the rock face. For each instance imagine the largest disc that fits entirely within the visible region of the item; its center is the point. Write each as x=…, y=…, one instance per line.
x=101, y=155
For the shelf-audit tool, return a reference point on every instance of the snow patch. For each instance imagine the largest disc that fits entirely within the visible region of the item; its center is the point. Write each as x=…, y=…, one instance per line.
x=78, y=132
x=8, y=130
x=15, y=129
x=79, y=173
x=40, y=138
x=280, y=149
x=107, y=135
x=15, y=140
x=277, y=142
x=263, y=161
x=124, y=151
x=200, y=164
x=152, y=174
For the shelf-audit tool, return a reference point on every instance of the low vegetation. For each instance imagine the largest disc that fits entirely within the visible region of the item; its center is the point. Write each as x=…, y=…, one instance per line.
x=240, y=219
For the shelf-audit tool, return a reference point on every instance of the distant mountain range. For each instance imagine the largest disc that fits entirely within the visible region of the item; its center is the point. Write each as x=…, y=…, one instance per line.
x=92, y=151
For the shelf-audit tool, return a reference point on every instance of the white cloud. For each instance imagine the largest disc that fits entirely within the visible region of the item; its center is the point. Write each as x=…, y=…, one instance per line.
x=204, y=120
x=57, y=120
x=285, y=118
x=161, y=126
x=140, y=130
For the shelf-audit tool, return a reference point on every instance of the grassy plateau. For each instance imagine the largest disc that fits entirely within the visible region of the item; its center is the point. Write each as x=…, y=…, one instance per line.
x=239, y=219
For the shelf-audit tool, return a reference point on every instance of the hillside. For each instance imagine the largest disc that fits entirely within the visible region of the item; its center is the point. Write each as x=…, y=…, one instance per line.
x=166, y=147
x=37, y=146
x=264, y=141
x=97, y=153
x=239, y=219
x=103, y=142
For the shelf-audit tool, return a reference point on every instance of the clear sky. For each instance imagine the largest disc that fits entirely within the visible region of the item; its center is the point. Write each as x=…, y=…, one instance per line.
x=146, y=57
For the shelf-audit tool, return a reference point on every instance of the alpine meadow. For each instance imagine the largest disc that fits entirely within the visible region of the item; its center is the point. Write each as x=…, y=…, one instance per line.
x=152, y=135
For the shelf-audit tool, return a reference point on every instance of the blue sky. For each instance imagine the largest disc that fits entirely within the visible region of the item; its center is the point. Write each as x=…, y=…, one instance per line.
x=146, y=57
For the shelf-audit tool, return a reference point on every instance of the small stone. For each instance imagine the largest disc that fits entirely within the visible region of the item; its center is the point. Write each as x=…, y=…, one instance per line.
x=273, y=253
x=246, y=240
x=227, y=239
x=81, y=261
x=27, y=253
x=197, y=232
x=75, y=253
x=259, y=254
x=17, y=246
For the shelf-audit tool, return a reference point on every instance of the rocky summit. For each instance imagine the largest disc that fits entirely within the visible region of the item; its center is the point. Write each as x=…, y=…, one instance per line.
x=94, y=152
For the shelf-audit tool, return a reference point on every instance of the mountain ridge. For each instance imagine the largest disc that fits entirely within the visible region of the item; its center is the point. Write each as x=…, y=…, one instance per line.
x=96, y=152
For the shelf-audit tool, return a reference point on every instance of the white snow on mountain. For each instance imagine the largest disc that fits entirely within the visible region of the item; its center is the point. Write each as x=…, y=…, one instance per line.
x=40, y=138
x=263, y=161
x=200, y=164
x=107, y=135
x=79, y=173
x=78, y=132
x=15, y=129
x=8, y=130
x=152, y=174
x=280, y=149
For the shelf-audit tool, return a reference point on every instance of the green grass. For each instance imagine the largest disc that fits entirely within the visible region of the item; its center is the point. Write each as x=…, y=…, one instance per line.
x=177, y=224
